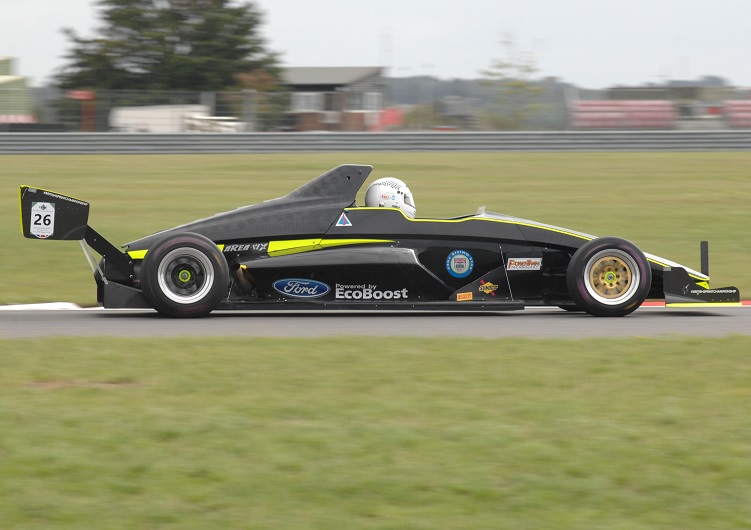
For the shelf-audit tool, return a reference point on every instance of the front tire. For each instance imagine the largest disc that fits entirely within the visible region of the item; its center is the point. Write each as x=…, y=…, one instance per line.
x=609, y=277
x=184, y=275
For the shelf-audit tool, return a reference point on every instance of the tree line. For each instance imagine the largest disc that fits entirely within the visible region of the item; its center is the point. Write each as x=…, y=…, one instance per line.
x=216, y=45
x=203, y=45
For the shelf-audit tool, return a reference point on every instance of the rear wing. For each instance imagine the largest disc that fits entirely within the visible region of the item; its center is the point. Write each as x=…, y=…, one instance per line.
x=49, y=215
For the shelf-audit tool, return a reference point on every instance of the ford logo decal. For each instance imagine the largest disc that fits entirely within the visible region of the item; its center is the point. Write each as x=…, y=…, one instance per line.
x=300, y=288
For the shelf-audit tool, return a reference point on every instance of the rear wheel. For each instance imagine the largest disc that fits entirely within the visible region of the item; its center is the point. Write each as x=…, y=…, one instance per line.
x=184, y=276
x=609, y=276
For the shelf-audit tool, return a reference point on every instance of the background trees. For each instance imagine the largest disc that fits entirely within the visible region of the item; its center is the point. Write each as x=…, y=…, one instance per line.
x=170, y=45
x=517, y=91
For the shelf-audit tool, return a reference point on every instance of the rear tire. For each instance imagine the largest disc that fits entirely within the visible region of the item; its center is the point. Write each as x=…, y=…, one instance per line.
x=609, y=277
x=184, y=275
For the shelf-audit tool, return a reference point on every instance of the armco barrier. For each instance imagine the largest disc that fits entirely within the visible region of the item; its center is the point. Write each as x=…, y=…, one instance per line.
x=108, y=143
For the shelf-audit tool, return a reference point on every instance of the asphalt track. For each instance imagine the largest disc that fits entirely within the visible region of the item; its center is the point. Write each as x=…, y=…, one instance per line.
x=530, y=323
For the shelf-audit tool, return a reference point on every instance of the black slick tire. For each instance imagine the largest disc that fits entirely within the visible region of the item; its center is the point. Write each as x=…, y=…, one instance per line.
x=184, y=275
x=608, y=277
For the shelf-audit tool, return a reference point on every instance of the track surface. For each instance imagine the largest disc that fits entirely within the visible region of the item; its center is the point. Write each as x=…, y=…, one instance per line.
x=530, y=323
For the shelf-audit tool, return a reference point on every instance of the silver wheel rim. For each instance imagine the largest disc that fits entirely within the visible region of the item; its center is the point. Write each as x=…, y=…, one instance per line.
x=612, y=276
x=185, y=275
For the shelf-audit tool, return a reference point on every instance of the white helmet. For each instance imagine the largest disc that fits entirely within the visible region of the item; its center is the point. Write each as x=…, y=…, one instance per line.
x=390, y=192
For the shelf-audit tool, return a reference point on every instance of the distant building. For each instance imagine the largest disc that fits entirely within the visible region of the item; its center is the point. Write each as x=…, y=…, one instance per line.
x=335, y=98
x=15, y=103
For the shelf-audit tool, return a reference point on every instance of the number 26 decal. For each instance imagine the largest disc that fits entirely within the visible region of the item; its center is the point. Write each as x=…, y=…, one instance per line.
x=42, y=219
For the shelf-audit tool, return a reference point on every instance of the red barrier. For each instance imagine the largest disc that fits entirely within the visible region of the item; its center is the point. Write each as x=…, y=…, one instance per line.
x=617, y=114
x=738, y=113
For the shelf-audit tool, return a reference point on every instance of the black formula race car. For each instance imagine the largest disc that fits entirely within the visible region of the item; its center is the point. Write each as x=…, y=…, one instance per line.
x=316, y=249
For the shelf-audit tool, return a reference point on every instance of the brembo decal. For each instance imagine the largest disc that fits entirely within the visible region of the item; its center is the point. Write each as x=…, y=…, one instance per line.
x=524, y=264
x=368, y=292
x=301, y=288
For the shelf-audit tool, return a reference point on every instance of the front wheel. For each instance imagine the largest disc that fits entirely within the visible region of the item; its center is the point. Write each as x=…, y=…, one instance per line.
x=609, y=277
x=184, y=276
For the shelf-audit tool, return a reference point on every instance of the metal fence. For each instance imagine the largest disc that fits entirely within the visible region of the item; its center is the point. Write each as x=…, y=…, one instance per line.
x=145, y=111
x=75, y=143
x=244, y=111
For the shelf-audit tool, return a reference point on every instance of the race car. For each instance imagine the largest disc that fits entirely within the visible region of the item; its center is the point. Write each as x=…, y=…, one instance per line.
x=315, y=248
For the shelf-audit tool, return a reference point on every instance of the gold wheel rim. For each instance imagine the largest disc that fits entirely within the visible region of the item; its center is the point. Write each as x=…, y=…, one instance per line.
x=610, y=277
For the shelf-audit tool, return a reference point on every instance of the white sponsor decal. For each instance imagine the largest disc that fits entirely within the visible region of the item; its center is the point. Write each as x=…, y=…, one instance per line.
x=42, y=219
x=524, y=264
x=253, y=247
x=63, y=197
x=301, y=288
x=368, y=292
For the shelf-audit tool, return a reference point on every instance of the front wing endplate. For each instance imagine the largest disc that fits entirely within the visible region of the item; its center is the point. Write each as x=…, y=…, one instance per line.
x=681, y=291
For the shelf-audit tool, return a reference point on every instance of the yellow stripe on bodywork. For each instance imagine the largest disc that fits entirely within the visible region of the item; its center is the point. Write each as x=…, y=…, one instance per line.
x=20, y=206
x=520, y=222
x=326, y=243
x=485, y=219
x=293, y=246
x=703, y=283
x=705, y=304
x=140, y=254
x=296, y=246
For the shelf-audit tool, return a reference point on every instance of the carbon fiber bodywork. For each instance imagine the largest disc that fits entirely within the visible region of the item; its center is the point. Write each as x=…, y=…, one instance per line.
x=316, y=249
x=378, y=252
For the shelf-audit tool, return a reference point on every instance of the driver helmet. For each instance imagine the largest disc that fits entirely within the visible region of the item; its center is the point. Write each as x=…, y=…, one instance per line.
x=391, y=192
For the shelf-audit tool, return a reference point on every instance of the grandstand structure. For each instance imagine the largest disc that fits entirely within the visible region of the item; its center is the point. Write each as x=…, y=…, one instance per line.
x=663, y=107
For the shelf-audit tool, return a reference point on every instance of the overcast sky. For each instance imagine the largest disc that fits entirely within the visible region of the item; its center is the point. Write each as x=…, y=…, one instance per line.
x=592, y=43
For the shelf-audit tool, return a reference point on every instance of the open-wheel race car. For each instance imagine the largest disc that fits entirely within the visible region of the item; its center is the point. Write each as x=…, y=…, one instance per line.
x=316, y=249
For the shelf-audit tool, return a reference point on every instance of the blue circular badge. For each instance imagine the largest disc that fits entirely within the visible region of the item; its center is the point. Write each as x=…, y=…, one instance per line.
x=460, y=264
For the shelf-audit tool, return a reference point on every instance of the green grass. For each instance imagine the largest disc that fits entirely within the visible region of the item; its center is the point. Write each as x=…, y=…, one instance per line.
x=294, y=434
x=664, y=202
x=355, y=433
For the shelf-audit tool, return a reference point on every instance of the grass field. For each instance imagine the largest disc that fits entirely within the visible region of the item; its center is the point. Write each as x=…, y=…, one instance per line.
x=359, y=433
x=664, y=202
x=329, y=434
